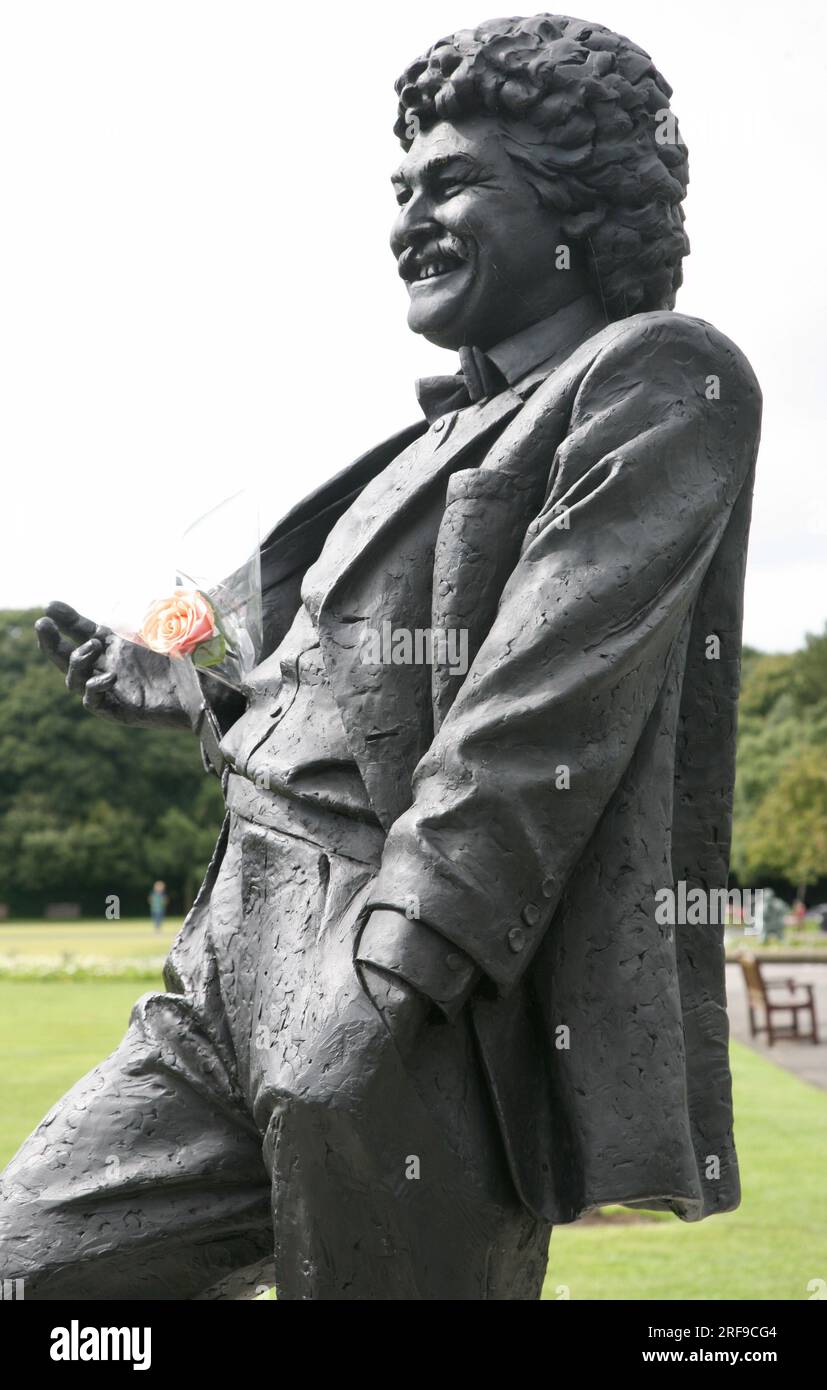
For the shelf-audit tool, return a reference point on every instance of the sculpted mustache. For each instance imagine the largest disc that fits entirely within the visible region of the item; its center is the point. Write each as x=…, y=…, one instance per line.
x=445, y=248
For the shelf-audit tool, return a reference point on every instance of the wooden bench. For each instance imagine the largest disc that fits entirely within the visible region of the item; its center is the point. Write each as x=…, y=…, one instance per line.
x=61, y=912
x=800, y=1001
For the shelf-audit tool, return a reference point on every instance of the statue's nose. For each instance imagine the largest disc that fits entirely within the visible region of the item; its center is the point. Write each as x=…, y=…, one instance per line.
x=414, y=224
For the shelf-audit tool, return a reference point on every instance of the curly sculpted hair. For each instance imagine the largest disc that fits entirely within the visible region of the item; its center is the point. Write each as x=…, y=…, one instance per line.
x=595, y=139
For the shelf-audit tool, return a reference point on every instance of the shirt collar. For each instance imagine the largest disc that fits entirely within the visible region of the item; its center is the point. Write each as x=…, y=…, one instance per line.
x=520, y=362
x=543, y=345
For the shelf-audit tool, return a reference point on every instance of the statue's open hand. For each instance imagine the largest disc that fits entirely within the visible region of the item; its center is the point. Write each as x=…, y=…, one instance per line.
x=116, y=679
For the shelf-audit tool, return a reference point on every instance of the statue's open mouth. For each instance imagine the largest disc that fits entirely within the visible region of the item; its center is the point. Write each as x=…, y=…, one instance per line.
x=432, y=263
x=432, y=268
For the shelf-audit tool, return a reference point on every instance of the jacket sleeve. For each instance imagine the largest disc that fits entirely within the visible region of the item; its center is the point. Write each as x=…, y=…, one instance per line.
x=663, y=434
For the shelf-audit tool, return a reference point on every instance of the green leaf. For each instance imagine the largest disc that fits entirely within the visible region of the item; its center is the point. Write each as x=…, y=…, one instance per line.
x=210, y=653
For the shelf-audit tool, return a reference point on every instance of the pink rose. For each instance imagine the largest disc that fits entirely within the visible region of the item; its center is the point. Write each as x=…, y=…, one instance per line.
x=175, y=626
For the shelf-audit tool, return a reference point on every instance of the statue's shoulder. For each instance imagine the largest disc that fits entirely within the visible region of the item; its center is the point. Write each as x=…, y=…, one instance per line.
x=650, y=363
x=664, y=339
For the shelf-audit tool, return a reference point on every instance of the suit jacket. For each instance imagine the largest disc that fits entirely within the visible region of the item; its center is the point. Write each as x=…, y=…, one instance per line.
x=535, y=806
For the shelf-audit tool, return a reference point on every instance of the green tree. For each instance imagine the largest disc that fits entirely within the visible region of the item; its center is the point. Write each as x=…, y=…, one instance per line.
x=180, y=850
x=810, y=673
x=81, y=799
x=780, y=822
x=787, y=834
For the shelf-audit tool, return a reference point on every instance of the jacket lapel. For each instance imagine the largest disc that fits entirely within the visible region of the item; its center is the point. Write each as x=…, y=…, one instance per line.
x=384, y=502
x=376, y=575
x=295, y=544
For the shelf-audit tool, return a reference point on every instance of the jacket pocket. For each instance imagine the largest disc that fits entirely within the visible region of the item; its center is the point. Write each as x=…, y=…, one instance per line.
x=478, y=545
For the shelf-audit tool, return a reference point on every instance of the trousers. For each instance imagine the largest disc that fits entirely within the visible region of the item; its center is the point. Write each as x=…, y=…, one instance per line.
x=260, y=1108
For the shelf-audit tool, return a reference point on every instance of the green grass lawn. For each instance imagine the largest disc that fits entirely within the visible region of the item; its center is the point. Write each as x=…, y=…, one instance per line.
x=116, y=940
x=770, y=1248
x=51, y=1033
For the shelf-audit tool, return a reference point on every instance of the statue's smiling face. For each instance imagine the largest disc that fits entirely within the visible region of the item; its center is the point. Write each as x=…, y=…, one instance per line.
x=474, y=246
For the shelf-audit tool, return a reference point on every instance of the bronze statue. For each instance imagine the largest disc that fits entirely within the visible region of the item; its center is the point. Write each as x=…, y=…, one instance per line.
x=422, y=1009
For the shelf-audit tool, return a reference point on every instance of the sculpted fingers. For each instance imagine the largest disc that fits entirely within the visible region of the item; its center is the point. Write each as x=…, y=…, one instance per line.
x=82, y=663
x=72, y=623
x=52, y=644
x=77, y=661
x=97, y=689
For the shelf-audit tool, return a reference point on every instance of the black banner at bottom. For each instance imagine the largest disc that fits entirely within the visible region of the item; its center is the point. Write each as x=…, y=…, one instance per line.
x=188, y=1340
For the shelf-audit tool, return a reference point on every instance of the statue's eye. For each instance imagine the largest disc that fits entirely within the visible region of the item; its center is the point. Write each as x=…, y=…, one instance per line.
x=403, y=195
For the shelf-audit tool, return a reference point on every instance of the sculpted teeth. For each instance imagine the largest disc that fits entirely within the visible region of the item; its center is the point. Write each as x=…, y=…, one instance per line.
x=433, y=268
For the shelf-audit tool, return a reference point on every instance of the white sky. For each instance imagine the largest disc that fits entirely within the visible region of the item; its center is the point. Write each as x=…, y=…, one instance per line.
x=196, y=289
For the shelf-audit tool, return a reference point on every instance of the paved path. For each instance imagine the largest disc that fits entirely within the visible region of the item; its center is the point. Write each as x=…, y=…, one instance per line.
x=803, y=1058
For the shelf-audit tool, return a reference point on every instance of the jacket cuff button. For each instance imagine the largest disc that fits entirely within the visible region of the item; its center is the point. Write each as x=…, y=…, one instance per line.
x=547, y=889
x=516, y=940
x=531, y=914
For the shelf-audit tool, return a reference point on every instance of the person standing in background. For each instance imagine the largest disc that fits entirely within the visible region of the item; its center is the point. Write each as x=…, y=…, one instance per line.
x=158, y=900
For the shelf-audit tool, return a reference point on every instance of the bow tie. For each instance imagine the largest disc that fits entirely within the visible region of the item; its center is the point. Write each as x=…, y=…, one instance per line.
x=476, y=379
